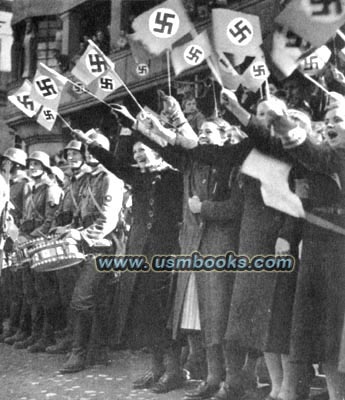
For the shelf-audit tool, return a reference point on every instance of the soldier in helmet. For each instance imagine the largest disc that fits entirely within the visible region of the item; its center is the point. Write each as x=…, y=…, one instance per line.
x=67, y=217
x=100, y=204
x=40, y=289
x=13, y=166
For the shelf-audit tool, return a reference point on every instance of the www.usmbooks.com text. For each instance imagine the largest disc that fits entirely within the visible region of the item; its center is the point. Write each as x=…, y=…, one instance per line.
x=196, y=262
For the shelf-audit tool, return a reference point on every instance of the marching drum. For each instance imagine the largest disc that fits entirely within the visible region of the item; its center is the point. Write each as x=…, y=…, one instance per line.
x=53, y=255
x=21, y=256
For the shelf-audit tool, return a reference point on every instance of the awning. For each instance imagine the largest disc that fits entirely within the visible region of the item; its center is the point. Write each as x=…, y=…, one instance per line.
x=23, y=9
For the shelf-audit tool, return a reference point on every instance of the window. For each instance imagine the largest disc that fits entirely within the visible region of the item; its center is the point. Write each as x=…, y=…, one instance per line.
x=47, y=29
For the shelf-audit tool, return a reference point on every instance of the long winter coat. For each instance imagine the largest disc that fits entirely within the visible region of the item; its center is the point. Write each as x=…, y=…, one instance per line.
x=318, y=323
x=142, y=309
x=214, y=231
x=261, y=306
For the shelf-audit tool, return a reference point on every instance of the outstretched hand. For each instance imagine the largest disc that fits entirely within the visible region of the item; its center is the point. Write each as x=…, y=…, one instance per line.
x=126, y=118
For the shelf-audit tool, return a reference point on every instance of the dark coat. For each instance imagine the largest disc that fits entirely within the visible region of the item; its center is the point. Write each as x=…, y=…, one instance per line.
x=261, y=307
x=212, y=232
x=318, y=323
x=143, y=298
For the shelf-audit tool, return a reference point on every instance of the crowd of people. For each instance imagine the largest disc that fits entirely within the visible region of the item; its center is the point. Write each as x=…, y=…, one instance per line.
x=174, y=186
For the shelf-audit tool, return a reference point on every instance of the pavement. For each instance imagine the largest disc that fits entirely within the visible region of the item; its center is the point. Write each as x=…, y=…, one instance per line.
x=26, y=376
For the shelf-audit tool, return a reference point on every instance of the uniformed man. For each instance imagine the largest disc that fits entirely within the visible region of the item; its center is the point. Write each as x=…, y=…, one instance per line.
x=13, y=165
x=67, y=216
x=40, y=289
x=100, y=204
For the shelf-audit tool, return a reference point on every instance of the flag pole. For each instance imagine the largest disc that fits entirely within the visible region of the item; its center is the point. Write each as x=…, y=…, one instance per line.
x=76, y=132
x=341, y=34
x=169, y=70
x=111, y=67
x=267, y=87
x=319, y=85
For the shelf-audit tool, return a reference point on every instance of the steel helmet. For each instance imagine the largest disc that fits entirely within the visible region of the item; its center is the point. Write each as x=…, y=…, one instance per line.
x=17, y=156
x=74, y=145
x=99, y=138
x=40, y=156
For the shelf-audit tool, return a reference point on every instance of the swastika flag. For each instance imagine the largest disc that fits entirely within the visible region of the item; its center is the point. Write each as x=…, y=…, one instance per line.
x=316, y=21
x=22, y=99
x=236, y=33
x=92, y=64
x=256, y=74
x=47, y=87
x=315, y=63
x=47, y=118
x=106, y=84
x=191, y=54
x=158, y=28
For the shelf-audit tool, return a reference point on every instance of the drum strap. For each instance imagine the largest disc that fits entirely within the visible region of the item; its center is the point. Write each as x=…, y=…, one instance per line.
x=74, y=199
x=31, y=202
x=95, y=202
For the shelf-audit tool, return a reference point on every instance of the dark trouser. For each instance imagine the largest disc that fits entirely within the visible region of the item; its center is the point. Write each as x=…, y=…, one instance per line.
x=46, y=285
x=67, y=279
x=16, y=297
x=90, y=302
x=32, y=302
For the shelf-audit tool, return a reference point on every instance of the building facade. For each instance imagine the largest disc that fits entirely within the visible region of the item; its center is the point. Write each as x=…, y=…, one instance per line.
x=55, y=32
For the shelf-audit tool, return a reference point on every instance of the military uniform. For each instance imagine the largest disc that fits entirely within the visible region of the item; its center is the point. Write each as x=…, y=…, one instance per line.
x=100, y=203
x=40, y=289
x=68, y=214
x=18, y=323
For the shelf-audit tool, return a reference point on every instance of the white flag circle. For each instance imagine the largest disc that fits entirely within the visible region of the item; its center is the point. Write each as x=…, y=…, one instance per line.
x=194, y=54
x=324, y=11
x=142, y=69
x=46, y=87
x=95, y=63
x=164, y=23
x=240, y=31
x=107, y=83
x=259, y=70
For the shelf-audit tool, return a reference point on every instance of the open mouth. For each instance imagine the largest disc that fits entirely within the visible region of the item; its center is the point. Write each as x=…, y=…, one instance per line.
x=332, y=134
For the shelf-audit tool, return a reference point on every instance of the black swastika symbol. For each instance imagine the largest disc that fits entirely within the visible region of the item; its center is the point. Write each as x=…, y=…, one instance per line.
x=46, y=87
x=259, y=70
x=164, y=23
x=326, y=6
x=194, y=55
x=142, y=69
x=311, y=63
x=78, y=88
x=48, y=115
x=26, y=101
x=239, y=33
x=106, y=84
x=97, y=63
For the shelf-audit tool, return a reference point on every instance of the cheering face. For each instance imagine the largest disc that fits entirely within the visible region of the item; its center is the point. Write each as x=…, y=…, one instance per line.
x=263, y=108
x=143, y=155
x=6, y=166
x=335, y=126
x=209, y=133
x=36, y=169
x=74, y=158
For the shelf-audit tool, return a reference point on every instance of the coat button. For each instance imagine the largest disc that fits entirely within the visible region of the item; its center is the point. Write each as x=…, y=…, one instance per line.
x=203, y=181
x=149, y=226
x=150, y=214
x=151, y=202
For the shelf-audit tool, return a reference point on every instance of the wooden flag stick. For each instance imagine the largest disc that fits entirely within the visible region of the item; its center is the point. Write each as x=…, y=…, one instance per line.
x=319, y=85
x=341, y=34
x=169, y=70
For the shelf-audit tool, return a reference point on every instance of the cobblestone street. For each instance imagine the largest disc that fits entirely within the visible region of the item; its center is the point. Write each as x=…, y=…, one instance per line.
x=25, y=376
